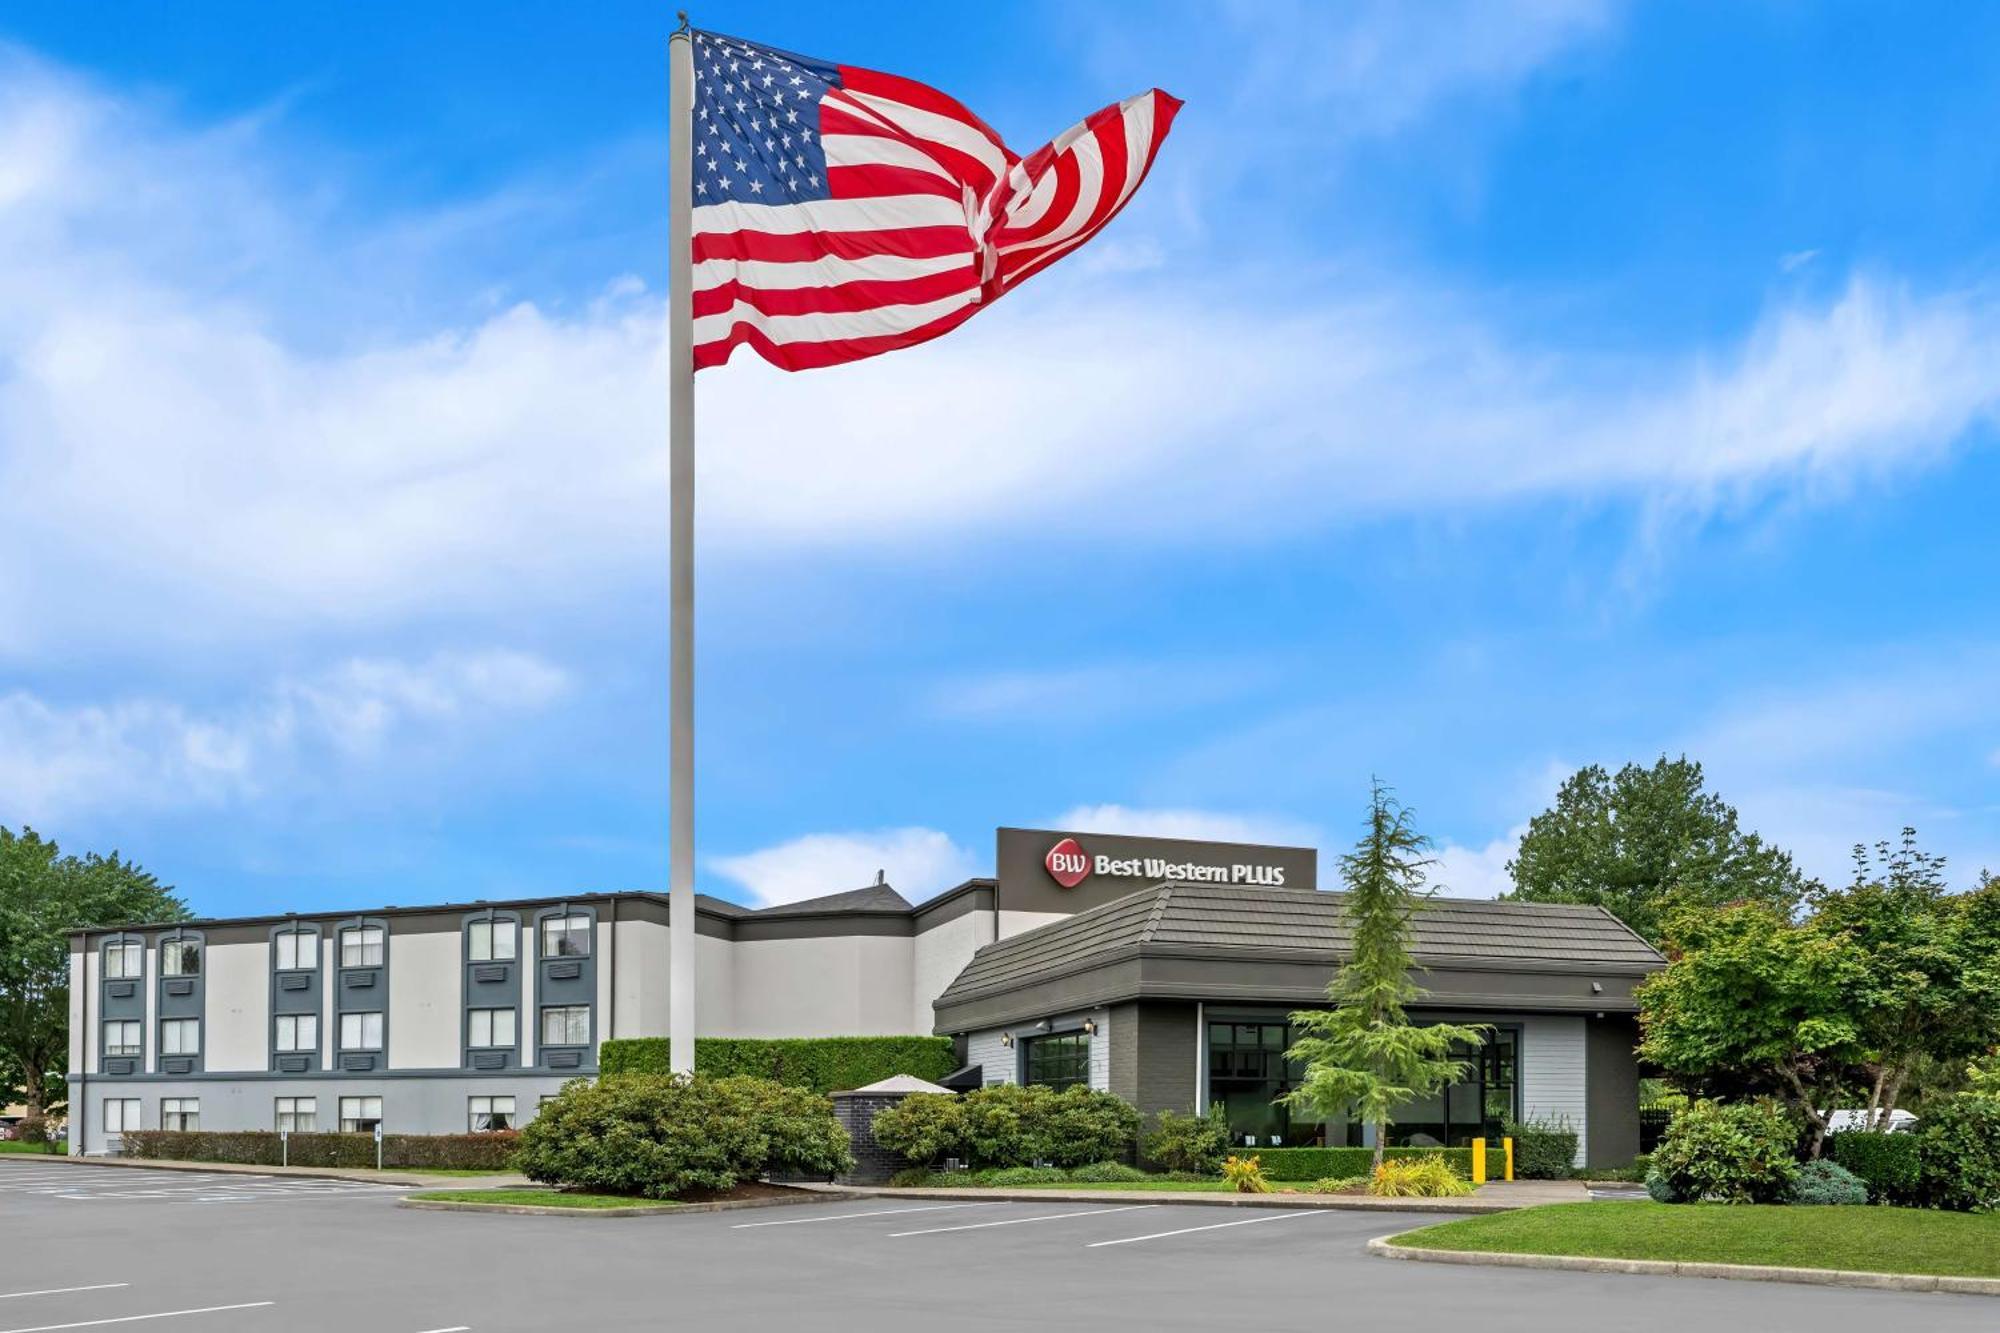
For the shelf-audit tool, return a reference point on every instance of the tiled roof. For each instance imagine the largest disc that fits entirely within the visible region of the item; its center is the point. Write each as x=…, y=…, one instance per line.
x=874, y=898
x=1172, y=918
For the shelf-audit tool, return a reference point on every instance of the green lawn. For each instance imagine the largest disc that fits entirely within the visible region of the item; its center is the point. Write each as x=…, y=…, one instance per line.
x=15, y=1145
x=541, y=1198
x=1872, y=1240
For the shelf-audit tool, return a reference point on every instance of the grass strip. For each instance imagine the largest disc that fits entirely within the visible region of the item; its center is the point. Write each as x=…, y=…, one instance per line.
x=540, y=1198
x=1860, y=1239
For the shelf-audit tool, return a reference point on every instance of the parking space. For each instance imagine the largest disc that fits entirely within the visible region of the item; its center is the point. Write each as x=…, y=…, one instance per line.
x=82, y=1183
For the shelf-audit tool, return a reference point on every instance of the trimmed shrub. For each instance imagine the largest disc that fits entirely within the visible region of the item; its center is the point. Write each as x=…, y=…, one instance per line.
x=1013, y=1177
x=1107, y=1173
x=1824, y=1183
x=821, y=1064
x=914, y=1178
x=1958, y=1152
x=1246, y=1174
x=1887, y=1164
x=1008, y=1125
x=1544, y=1148
x=1305, y=1164
x=1417, y=1178
x=456, y=1152
x=664, y=1136
x=1196, y=1143
x=1732, y=1154
x=1337, y=1184
x=31, y=1129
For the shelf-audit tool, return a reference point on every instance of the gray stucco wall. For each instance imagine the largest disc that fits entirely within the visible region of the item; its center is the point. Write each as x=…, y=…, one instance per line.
x=1613, y=1090
x=1153, y=1055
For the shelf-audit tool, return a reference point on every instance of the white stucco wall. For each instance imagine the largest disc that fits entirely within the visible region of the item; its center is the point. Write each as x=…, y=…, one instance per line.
x=1554, y=1074
x=856, y=985
x=937, y=956
x=81, y=1045
x=237, y=1007
x=1013, y=923
x=329, y=1024
x=151, y=968
x=425, y=998
x=641, y=979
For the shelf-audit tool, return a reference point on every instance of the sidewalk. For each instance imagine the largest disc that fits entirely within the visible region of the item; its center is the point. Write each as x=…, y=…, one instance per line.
x=391, y=1176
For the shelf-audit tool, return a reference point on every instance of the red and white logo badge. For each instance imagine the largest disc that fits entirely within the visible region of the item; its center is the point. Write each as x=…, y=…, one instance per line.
x=1068, y=864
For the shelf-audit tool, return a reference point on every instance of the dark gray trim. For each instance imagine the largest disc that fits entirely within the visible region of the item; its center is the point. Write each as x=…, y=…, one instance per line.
x=325, y=1075
x=831, y=925
x=975, y=895
x=179, y=999
x=296, y=992
x=490, y=985
x=121, y=1000
x=362, y=989
x=561, y=982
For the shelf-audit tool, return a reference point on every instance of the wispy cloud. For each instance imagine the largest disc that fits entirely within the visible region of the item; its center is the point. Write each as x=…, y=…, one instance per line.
x=917, y=862
x=1187, y=822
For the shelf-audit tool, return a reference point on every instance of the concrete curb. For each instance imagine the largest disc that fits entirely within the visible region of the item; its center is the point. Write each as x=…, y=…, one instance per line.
x=387, y=1176
x=1456, y=1207
x=1382, y=1248
x=637, y=1210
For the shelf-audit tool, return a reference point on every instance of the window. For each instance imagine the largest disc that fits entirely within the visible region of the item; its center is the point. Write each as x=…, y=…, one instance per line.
x=566, y=936
x=566, y=1025
x=294, y=951
x=121, y=1114
x=1059, y=1061
x=1247, y=1074
x=298, y=1115
x=486, y=1114
x=180, y=958
x=1480, y=1103
x=182, y=1113
x=361, y=1032
x=124, y=960
x=298, y=1032
x=490, y=1027
x=121, y=1037
x=361, y=946
x=180, y=1036
x=360, y=1115
x=490, y=941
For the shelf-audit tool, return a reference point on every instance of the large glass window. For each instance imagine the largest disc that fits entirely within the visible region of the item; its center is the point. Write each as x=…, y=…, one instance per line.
x=486, y=1114
x=489, y=1027
x=361, y=1032
x=180, y=1036
x=121, y=1114
x=360, y=1115
x=182, y=1113
x=1247, y=1074
x=121, y=1037
x=566, y=1025
x=124, y=961
x=1477, y=1106
x=490, y=941
x=566, y=936
x=180, y=958
x=1058, y=1061
x=298, y=1032
x=361, y=946
x=294, y=951
x=298, y=1115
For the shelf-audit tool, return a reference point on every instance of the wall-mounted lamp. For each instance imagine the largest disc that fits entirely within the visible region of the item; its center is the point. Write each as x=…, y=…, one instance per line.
x=1042, y=1026
x=1007, y=1040
x=1597, y=988
x=1089, y=1027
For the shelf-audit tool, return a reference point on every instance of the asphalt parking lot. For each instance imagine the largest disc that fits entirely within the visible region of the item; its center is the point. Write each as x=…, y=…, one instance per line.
x=305, y=1260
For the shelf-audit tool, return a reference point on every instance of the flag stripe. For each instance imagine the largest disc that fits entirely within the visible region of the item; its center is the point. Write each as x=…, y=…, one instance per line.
x=834, y=300
x=804, y=246
x=826, y=272
x=831, y=215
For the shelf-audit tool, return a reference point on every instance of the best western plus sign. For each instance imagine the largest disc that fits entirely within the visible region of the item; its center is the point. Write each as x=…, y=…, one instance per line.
x=1069, y=865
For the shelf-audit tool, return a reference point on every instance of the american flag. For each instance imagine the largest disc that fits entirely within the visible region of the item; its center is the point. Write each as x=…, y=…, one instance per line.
x=840, y=213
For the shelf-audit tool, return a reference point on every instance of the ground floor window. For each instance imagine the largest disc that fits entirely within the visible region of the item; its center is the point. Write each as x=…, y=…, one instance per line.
x=566, y=1025
x=1477, y=1106
x=181, y=1113
x=121, y=1114
x=360, y=1115
x=298, y=1115
x=1061, y=1060
x=121, y=1037
x=486, y=1114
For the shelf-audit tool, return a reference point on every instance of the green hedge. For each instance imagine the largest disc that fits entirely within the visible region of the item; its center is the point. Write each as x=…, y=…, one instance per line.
x=822, y=1064
x=1887, y=1163
x=461, y=1152
x=1295, y=1164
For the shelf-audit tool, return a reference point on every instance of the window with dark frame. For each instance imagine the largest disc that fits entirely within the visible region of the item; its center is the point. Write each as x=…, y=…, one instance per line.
x=566, y=1025
x=361, y=946
x=180, y=958
x=360, y=1115
x=298, y=1032
x=487, y=1115
x=124, y=961
x=566, y=936
x=294, y=951
x=180, y=1036
x=1059, y=1060
x=122, y=1037
x=297, y=1115
x=489, y=1028
x=491, y=941
x=121, y=1114
x=361, y=1031
x=182, y=1114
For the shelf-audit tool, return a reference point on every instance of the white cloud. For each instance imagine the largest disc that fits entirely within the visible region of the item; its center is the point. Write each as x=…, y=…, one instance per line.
x=1476, y=872
x=1198, y=825
x=918, y=863
x=131, y=755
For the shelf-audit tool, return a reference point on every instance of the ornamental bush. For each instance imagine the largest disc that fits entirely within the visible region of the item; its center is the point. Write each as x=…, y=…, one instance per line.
x=1298, y=1165
x=1825, y=1182
x=1887, y=1163
x=1013, y=1177
x=1958, y=1155
x=1417, y=1178
x=1246, y=1174
x=1195, y=1143
x=663, y=1136
x=1733, y=1154
x=1008, y=1125
x=456, y=1152
x=1107, y=1173
x=1544, y=1147
x=923, y=1127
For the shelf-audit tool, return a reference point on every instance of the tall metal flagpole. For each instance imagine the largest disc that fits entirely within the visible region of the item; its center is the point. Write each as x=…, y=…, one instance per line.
x=680, y=462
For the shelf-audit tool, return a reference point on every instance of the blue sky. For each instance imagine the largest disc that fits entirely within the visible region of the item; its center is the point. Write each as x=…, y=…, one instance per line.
x=1473, y=392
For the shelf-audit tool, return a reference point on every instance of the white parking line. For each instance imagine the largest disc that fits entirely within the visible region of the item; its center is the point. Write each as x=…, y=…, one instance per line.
x=135, y=1318
x=1212, y=1226
x=60, y=1291
x=1017, y=1221
x=455, y=1328
x=879, y=1212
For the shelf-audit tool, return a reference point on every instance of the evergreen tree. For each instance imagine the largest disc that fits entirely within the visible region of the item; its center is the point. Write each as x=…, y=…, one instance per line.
x=1365, y=1052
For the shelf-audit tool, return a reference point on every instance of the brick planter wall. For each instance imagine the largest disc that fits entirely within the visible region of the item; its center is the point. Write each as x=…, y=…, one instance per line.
x=856, y=1111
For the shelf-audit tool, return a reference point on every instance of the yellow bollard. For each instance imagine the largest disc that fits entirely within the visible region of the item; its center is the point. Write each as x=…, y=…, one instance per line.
x=1479, y=1161
x=1510, y=1157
